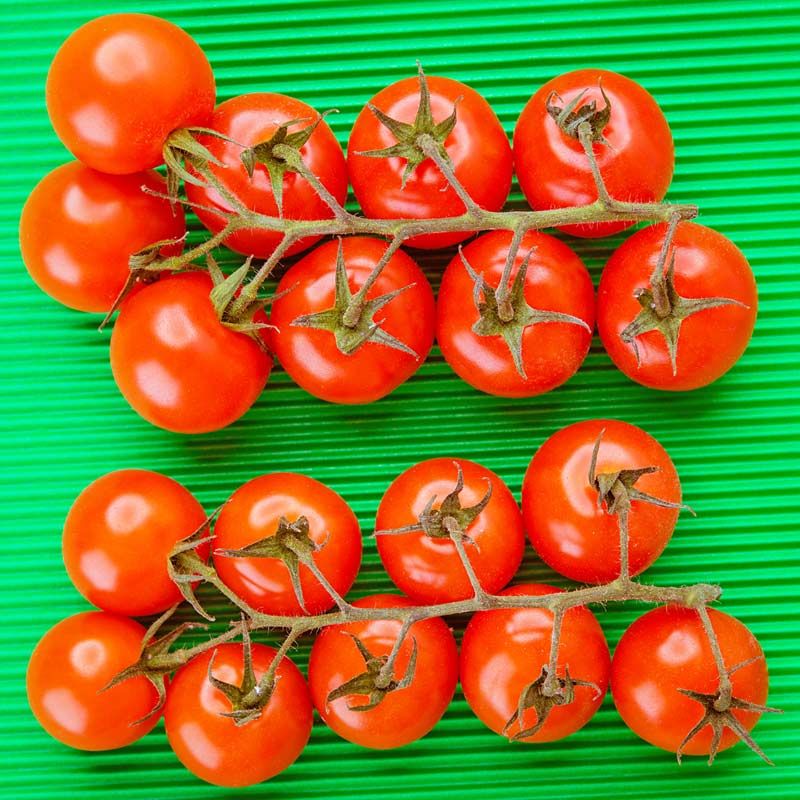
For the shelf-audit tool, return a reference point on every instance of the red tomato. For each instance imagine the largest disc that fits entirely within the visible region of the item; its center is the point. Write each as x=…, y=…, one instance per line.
x=636, y=160
x=428, y=569
x=214, y=747
x=177, y=365
x=73, y=661
x=568, y=530
x=504, y=651
x=310, y=355
x=477, y=146
x=711, y=341
x=556, y=280
x=251, y=119
x=667, y=650
x=254, y=512
x=120, y=84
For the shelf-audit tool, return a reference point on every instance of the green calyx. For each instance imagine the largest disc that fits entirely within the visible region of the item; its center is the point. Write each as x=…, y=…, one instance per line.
x=570, y=117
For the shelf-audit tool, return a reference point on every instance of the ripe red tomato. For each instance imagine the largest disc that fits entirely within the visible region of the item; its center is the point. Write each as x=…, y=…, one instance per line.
x=428, y=568
x=556, y=280
x=567, y=528
x=311, y=355
x=251, y=119
x=667, y=650
x=120, y=84
x=711, y=341
x=504, y=651
x=73, y=661
x=79, y=227
x=404, y=715
x=636, y=159
x=477, y=146
x=118, y=535
x=177, y=365
x=214, y=747
x=254, y=512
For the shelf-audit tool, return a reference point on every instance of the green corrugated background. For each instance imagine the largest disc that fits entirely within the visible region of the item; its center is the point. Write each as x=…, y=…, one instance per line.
x=726, y=74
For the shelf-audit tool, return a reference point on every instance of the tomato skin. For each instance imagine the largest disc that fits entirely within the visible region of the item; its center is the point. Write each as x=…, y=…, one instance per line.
x=707, y=264
x=504, y=650
x=557, y=280
x=213, y=747
x=251, y=119
x=429, y=570
x=636, y=165
x=120, y=84
x=404, y=715
x=253, y=513
x=565, y=526
x=311, y=356
x=667, y=649
x=69, y=666
x=478, y=149
x=177, y=365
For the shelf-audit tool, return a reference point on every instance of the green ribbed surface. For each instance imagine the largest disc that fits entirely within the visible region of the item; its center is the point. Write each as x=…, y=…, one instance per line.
x=726, y=75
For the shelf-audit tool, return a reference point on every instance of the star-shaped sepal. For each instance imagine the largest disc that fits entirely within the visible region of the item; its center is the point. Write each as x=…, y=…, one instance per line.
x=570, y=116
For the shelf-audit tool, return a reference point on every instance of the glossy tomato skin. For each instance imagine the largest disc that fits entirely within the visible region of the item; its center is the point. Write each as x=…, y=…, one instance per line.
x=504, y=650
x=478, y=149
x=636, y=164
x=71, y=663
x=707, y=264
x=557, y=280
x=120, y=84
x=429, y=570
x=177, y=365
x=118, y=535
x=212, y=746
x=404, y=715
x=667, y=650
x=253, y=513
x=311, y=356
x=564, y=524
x=249, y=120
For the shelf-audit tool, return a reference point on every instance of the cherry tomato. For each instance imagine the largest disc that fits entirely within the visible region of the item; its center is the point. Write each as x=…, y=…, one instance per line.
x=311, y=356
x=505, y=650
x=254, y=512
x=636, y=159
x=404, y=715
x=428, y=569
x=556, y=280
x=177, y=365
x=567, y=528
x=213, y=746
x=710, y=341
x=120, y=84
x=73, y=661
x=667, y=650
x=477, y=147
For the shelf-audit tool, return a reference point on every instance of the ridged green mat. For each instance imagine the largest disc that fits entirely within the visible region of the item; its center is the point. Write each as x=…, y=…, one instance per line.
x=726, y=74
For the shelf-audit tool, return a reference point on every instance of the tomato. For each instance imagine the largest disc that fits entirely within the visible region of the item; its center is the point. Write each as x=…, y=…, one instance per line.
x=551, y=351
x=707, y=266
x=403, y=715
x=254, y=512
x=73, y=661
x=477, y=147
x=311, y=355
x=569, y=530
x=636, y=156
x=504, y=651
x=120, y=84
x=214, y=747
x=427, y=567
x=118, y=535
x=667, y=650
x=177, y=365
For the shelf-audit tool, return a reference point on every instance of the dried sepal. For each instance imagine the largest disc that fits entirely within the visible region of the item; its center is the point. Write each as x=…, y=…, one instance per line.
x=570, y=116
